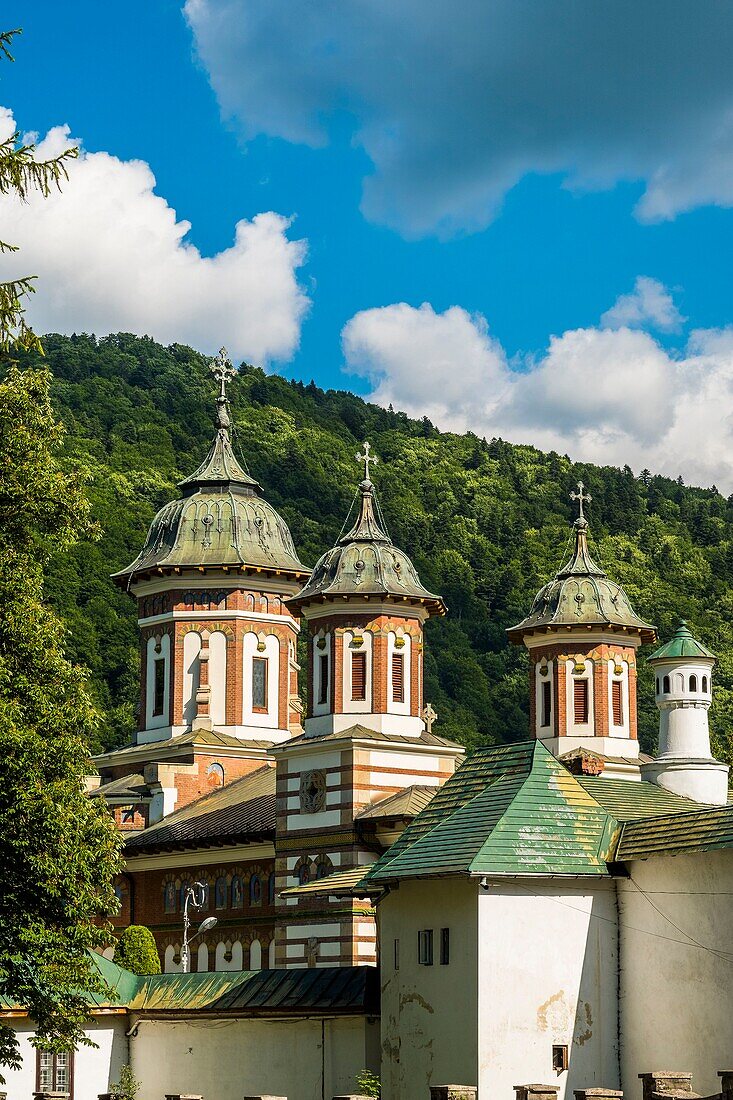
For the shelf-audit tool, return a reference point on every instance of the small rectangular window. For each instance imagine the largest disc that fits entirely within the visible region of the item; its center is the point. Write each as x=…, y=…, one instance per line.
x=396, y=954
x=398, y=677
x=618, y=702
x=560, y=1060
x=358, y=676
x=444, y=946
x=54, y=1071
x=259, y=684
x=323, y=678
x=580, y=702
x=546, y=702
x=425, y=947
x=158, y=685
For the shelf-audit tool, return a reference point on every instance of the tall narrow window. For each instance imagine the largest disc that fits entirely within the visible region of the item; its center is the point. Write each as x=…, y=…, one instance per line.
x=398, y=677
x=323, y=678
x=546, y=702
x=705, y=684
x=617, y=702
x=259, y=684
x=693, y=683
x=580, y=702
x=158, y=685
x=358, y=676
x=444, y=946
x=396, y=954
x=425, y=947
x=54, y=1071
x=666, y=685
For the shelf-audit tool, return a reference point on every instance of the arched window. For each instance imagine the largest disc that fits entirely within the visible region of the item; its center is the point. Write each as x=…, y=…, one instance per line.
x=220, y=893
x=322, y=870
x=215, y=774
x=304, y=874
x=202, y=959
x=271, y=955
x=169, y=897
x=657, y=685
x=255, y=955
x=182, y=894
x=665, y=685
x=237, y=893
x=255, y=890
x=693, y=683
x=705, y=684
x=271, y=888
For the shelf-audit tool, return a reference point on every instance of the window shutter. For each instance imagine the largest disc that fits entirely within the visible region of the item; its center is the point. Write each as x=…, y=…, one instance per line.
x=398, y=677
x=358, y=676
x=323, y=678
x=580, y=702
x=617, y=702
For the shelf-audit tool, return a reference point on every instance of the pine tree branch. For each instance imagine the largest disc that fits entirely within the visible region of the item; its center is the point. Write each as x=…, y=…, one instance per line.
x=14, y=332
x=21, y=173
x=6, y=37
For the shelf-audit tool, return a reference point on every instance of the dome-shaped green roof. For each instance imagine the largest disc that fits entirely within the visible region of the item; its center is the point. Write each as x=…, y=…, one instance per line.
x=366, y=563
x=221, y=519
x=682, y=645
x=581, y=595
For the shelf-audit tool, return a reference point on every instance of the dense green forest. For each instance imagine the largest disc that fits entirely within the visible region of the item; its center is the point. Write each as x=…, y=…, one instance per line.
x=486, y=523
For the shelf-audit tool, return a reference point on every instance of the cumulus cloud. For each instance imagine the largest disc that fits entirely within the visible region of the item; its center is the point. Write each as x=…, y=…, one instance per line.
x=649, y=304
x=604, y=395
x=111, y=255
x=454, y=103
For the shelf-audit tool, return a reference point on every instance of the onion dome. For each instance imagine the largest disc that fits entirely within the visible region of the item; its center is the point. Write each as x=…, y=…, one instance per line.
x=682, y=646
x=365, y=564
x=581, y=595
x=221, y=518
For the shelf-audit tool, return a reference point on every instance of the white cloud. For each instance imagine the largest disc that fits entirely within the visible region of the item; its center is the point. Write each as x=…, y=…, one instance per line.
x=601, y=395
x=454, y=103
x=111, y=255
x=649, y=304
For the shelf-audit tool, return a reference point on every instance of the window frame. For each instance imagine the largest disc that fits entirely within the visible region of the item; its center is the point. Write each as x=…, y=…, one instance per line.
x=580, y=683
x=324, y=673
x=545, y=704
x=398, y=680
x=69, y=1089
x=359, y=658
x=158, y=708
x=256, y=707
x=445, y=946
x=618, y=718
x=425, y=947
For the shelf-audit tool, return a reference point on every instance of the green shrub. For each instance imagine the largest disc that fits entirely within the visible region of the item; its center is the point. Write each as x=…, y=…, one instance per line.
x=136, y=950
x=368, y=1083
x=128, y=1085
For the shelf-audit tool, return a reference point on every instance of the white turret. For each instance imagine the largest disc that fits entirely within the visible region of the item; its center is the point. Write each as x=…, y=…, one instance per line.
x=685, y=765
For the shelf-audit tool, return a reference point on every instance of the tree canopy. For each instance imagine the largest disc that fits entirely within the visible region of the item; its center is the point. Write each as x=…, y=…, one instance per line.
x=486, y=523
x=136, y=950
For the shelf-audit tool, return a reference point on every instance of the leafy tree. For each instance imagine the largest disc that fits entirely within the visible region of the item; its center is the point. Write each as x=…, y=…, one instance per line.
x=127, y=1087
x=136, y=950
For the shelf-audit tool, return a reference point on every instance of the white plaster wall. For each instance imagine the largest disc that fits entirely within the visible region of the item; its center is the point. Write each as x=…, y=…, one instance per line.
x=218, y=677
x=95, y=1069
x=677, y=998
x=547, y=975
x=227, y=1059
x=191, y=650
x=429, y=1013
x=272, y=654
x=155, y=721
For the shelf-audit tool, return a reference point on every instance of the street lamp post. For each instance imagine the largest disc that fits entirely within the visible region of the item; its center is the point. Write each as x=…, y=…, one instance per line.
x=195, y=896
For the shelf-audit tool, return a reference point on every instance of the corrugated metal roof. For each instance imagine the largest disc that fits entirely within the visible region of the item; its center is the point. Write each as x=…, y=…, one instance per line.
x=340, y=883
x=132, y=785
x=697, y=831
x=358, y=731
x=242, y=809
x=406, y=803
x=181, y=742
x=629, y=800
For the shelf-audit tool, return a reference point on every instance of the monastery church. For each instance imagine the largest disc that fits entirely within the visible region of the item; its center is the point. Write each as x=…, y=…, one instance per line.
x=555, y=910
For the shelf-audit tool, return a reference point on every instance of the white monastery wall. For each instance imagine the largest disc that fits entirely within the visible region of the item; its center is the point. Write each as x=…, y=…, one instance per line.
x=547, y=973
x=429, y=1013
x=227, y=1059
x=676, y=997
x=94, y=1069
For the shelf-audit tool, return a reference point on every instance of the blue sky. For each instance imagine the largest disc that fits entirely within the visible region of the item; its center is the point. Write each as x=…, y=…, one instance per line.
x=539, y=231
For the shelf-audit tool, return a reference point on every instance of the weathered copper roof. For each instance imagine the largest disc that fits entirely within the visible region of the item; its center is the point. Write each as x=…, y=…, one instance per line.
x=365, y=563
x=221, y=520
x=581, y=595
x=406, y=803
x=682, y=645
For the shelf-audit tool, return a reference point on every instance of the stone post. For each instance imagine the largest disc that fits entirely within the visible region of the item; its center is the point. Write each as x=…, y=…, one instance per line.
x=597, y=1094
x=666, y=1083
x=453, y=1092
x=536, y=1092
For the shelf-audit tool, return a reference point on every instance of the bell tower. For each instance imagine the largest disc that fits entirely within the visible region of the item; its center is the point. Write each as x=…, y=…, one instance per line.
x=582, y=635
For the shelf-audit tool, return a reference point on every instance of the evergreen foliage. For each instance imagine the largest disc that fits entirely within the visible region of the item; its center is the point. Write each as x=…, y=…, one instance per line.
x=136, y=950
x=486, y=523
x=58, y=848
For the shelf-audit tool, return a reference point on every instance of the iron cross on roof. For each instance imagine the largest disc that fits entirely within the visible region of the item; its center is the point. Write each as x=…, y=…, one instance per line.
x=581, y=498
x=367, y=458
x=223, y=371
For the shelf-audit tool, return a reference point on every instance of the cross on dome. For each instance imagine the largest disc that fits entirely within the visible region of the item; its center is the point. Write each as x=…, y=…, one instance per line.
x=367, y=458
x=223, y=371
x=581, y=497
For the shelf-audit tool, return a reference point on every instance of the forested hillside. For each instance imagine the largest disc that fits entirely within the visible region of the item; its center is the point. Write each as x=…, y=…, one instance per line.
x=486, y=522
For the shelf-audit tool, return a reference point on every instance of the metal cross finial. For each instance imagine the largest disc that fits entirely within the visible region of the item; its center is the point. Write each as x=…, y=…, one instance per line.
x=222, y=370
x=581, y=498
x=367, y=458
x=429, y=716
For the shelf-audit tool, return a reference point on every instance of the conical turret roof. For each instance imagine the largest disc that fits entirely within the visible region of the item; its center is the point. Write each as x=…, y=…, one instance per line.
x=581, y=595
x=221, y=518
x=682, y=645
x=365, y=563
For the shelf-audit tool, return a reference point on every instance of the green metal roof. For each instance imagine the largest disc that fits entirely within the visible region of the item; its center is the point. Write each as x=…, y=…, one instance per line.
x=628, y=800
x=512, y=809
x=674, y=834
x=681, y=644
